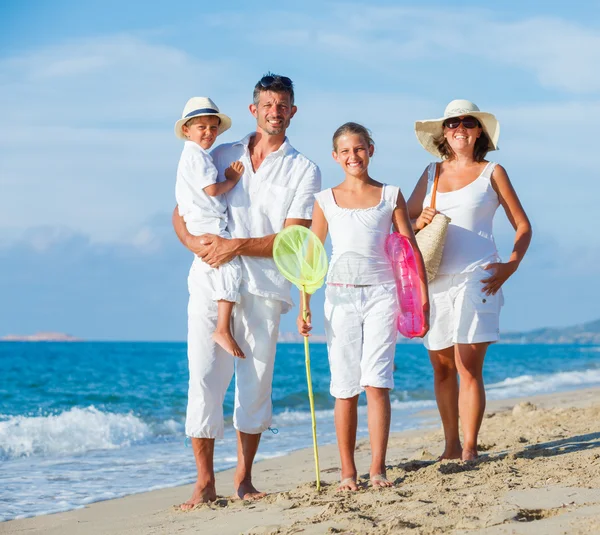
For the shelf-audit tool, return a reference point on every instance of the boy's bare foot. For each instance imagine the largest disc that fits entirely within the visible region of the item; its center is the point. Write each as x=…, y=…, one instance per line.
x=201, y=494
x=247, y=491
x=348, y=483
x=380, y=481
x=469, y=454
x=228, y=343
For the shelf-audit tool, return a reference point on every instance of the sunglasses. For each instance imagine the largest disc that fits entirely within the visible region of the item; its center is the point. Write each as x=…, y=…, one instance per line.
x=467, y=122
x=269, y=80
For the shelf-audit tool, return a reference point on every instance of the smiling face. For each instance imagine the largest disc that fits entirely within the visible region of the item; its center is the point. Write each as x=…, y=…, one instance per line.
x=462, y=139
x=202, y=130
x=273, y=112
x=353, y=152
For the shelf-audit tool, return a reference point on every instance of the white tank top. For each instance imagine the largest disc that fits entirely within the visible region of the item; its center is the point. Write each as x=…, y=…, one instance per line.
x=358, y=239
x=470, y=241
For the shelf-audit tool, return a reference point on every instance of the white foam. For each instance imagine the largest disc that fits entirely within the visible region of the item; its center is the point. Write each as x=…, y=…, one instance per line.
x=71, y=432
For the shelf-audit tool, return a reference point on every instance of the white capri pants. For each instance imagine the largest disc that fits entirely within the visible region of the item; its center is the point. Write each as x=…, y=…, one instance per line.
x=460, y=312
x=360, y=324
x=255, y=328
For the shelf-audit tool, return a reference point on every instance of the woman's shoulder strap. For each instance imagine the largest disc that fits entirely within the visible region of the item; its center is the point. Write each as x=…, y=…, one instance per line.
x=488, y=170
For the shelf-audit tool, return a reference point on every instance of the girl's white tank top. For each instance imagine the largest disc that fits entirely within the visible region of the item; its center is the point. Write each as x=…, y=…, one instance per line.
x=470, y=240
x=358, y=239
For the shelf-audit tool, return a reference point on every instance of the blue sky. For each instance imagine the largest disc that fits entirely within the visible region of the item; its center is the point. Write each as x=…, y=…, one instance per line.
x=90, y=91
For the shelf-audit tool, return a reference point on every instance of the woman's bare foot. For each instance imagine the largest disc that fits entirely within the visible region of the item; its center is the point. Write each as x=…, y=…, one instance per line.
x=348, y=483
x=202, y=494
x=247, y=491
x=452, y=451
x=380, y=481
x=469, y=454
x=228, y=343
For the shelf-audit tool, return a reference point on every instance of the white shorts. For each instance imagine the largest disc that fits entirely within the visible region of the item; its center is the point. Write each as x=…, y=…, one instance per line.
x=360, y=324
x=255, y=328
x=225, y=280
x=460, y=312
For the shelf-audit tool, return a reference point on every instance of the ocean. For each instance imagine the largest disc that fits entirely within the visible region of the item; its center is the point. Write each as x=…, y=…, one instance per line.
x=83, y=422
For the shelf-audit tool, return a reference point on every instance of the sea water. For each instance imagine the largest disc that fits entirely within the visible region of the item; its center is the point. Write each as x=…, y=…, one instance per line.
x=83, y=422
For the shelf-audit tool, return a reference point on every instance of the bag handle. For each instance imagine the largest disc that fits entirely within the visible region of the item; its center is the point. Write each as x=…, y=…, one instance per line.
x=435, y=185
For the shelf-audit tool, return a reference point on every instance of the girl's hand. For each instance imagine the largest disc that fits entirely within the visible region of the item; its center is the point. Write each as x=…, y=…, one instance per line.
x=502, y=270
x=304, y=327
x=426, y=322
x=425, y=218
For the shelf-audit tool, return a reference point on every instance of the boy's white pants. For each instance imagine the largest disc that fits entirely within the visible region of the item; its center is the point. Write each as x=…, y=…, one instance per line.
x=255, y=329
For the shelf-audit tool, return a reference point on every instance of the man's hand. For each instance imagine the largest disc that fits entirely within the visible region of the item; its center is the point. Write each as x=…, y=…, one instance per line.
x=214, y=250
x=234, y=171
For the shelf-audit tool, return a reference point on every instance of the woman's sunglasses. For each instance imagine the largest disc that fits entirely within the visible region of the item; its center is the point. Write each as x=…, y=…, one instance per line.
x=269, y=80
x=467, y=122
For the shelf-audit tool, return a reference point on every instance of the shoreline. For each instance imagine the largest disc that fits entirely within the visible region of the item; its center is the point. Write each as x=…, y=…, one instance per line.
x=291, y=500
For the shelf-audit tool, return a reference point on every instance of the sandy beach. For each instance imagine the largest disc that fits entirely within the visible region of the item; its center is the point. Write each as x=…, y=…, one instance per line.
x=539, y=472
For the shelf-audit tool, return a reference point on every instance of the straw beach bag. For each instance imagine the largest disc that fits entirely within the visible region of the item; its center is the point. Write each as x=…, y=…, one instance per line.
x=431, y=238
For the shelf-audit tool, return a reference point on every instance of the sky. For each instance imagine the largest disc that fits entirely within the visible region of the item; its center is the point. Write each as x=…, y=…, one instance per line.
x=90, y=92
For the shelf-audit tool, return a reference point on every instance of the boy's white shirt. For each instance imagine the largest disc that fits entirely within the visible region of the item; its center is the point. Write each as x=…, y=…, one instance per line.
x=201, y=212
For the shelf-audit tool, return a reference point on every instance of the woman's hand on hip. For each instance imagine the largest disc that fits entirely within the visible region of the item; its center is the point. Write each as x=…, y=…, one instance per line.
x=425, y=218
x=501, y=271
x=215, y=251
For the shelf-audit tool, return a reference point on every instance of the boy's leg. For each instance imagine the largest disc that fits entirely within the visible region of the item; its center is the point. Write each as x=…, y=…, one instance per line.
x=346, y=422
x=222, y=334
x=379, y=415
x=256, y=327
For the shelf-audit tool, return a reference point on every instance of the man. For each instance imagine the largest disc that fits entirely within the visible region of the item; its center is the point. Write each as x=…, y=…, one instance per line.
x=275, y=191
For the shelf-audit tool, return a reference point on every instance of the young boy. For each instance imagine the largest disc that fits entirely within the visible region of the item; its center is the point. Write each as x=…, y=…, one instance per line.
x=201, y=202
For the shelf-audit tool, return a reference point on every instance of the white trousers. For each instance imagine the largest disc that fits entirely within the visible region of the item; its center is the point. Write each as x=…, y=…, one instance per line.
x=360, y=324
x=255, y=328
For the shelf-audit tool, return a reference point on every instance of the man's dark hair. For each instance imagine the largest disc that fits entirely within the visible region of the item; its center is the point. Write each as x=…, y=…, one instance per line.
x=276, y=83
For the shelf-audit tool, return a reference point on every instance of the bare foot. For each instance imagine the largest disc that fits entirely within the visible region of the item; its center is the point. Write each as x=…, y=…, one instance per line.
x=348, y=483
x=453, y=451
x=469, y=454
x=247, y=491
x=201, y=494
x=228, y=343
x=380, y=481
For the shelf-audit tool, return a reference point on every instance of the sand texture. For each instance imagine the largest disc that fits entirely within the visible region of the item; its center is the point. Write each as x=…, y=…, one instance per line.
x=539, y=473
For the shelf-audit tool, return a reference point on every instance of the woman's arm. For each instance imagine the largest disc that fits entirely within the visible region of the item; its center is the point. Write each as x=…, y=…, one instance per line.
x=402, y=224
x=420, y=217
x=520, y=222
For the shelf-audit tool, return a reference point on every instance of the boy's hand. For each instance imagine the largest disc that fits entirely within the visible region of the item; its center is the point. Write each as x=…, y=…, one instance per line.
x=304, y=327
x=234, y=171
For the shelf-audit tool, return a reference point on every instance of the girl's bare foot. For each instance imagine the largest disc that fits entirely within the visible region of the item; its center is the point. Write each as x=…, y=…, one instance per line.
x=452, y=451
x=228, y=343
x=348, y=483
x=202, y=494
x=380, y=481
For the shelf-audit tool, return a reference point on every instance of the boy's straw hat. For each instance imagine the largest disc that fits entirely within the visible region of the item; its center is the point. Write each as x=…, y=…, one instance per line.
x=199, y=107
x=431, y=130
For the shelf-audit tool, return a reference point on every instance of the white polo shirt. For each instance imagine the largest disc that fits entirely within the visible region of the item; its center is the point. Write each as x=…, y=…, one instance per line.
x=202, y=213
x=282, y=188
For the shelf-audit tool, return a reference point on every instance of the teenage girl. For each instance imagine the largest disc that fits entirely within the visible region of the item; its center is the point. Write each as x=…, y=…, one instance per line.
x=361, y=299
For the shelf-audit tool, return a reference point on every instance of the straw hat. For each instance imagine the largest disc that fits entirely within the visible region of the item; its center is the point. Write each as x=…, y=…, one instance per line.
x=199, y=107
x=431, y=130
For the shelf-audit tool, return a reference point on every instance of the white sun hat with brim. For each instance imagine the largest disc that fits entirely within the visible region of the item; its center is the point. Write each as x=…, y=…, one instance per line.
x=430, y=131
x=200, y=107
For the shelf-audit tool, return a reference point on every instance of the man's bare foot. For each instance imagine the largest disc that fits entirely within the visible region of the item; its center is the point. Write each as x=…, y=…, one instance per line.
x=453, y=451
x=348, y=484
x=247, y=491
x=469, y=454
x=380, y=481
x=201, y=494
x=228, y=343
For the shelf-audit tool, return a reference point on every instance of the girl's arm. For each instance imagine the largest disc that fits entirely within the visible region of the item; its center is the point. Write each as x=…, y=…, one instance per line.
x=420, y=217
x=320, y=228
x=519, y=221
x=402, y=224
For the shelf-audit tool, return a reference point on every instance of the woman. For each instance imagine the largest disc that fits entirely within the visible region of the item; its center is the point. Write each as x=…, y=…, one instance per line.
x=466, y=295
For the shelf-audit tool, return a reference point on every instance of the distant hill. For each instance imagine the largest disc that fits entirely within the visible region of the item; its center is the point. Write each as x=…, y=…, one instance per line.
x=40, y=337
x=585, y=333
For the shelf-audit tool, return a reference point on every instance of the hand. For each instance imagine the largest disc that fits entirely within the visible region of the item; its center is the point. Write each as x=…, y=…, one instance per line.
x=214, y=250
x=304, y=327
x=425, y=329
x=502, y=270
x=234, y=171
x=425, y=218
